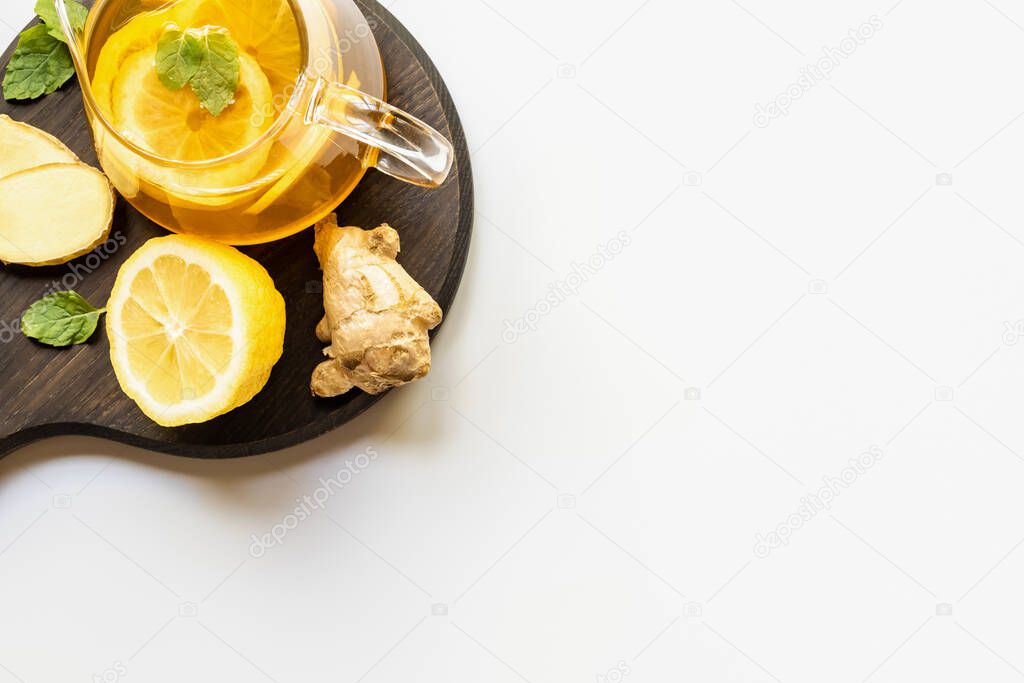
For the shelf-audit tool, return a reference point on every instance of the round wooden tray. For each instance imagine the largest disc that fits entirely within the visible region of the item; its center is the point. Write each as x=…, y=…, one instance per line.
x=49, y=392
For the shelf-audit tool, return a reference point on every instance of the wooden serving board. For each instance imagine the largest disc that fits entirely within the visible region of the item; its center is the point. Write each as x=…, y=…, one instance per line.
x=52, y=392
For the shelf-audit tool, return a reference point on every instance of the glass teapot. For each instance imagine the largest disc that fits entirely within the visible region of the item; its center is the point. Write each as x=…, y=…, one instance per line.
x=297, y=140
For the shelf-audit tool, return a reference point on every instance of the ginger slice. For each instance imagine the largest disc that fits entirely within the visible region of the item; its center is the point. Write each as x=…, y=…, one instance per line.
x=377, y=317
x=53, y=213
x=25, y=146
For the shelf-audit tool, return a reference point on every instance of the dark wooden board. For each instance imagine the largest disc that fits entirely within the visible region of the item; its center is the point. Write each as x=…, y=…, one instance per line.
x=49, y=392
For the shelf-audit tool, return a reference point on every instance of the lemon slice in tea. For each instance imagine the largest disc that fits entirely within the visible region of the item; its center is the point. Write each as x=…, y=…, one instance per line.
x=173, y=124
x=266, y=30
x=140, y=33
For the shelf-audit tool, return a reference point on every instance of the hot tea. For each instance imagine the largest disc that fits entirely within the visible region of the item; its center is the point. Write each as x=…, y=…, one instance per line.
x=204, y=95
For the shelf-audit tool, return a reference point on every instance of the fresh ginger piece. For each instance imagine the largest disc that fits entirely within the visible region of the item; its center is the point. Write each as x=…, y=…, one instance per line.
x=25, y=146
x=53, y=213
x=377, y=317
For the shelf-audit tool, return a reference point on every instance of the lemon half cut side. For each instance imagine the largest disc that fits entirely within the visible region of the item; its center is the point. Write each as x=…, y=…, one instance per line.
x=195, y=328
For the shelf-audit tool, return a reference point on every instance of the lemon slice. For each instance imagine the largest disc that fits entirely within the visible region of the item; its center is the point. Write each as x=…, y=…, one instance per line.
x=174, y=124
x=195, y=328
x=140, y=33
x=266, y=30
x=298, y=158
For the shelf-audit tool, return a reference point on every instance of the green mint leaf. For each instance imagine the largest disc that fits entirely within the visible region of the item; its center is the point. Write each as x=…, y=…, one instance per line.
x=60, y=319
x=39, y=66
x=178, y=57
x=47, y=11
x=216, y=80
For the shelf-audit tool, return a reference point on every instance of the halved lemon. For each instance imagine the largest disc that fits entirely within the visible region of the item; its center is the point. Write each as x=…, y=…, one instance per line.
x=195, y=328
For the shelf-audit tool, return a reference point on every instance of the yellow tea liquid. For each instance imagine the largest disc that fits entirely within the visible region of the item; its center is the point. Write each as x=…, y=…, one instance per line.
x=253, y=174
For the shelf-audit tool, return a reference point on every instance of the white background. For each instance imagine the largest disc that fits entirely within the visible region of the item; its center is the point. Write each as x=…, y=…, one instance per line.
x=583, y=499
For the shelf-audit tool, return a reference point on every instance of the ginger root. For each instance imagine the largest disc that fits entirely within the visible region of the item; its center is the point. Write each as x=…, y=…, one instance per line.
x=54, y=213
x=377, y=317
x=53, y=208
x=26, y=147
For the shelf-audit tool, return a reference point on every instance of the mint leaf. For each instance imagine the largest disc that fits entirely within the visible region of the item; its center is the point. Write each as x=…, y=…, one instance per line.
x=207, y=59
x=39, y=66
x=60, y=319
x=178, y=57
x=47, y=11
x=41, y=62
x=216, y=80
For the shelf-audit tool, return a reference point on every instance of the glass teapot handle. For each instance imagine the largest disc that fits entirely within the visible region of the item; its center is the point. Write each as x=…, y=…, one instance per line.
x=410, y=150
